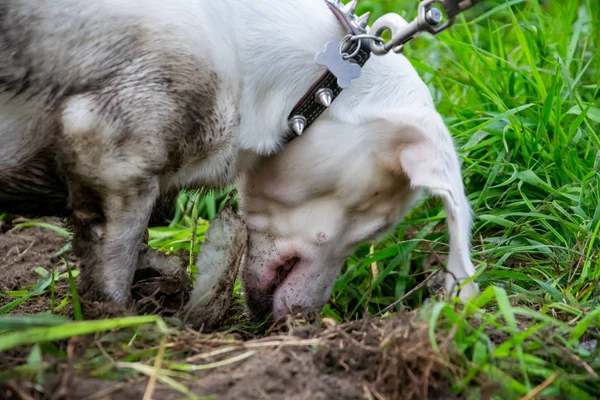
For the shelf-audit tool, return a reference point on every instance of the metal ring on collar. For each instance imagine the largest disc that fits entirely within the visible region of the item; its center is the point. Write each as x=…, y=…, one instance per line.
x=377, y=39
x=347, y=56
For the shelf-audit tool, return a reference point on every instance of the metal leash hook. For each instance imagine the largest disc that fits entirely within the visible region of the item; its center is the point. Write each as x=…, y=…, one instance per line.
x=429, y=19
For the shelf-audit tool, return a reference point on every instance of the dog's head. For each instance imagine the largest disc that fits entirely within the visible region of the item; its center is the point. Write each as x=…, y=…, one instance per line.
x=348, y=179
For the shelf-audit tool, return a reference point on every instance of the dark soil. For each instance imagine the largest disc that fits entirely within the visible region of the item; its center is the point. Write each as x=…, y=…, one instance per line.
x=368, y=359
x=22, y=251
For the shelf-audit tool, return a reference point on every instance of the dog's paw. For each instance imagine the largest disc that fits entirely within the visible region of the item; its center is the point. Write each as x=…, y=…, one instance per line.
x=465, y=292
x=468, y=292
x=93, y=309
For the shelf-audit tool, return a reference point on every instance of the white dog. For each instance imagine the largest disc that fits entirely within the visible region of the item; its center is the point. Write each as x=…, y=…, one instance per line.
x=109, y=105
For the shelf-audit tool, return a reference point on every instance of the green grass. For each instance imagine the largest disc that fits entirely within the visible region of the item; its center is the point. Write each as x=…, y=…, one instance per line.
x=518, y=84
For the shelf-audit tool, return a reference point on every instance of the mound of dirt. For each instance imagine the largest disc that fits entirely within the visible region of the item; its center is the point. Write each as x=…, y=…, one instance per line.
x=378, y=359
x=389, y=358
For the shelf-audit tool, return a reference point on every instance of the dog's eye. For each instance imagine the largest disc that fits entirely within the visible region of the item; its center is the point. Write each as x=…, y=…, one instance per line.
x=362, y=207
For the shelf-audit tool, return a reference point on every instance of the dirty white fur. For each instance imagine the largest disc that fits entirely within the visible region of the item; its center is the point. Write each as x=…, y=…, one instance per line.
x=212, y=262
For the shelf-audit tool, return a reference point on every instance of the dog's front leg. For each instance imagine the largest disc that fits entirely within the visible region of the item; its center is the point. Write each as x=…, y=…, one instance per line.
x=108, y=241
x=113, y=186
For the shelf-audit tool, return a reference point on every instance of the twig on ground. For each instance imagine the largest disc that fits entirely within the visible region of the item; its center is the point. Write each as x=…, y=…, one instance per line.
x=401, y=299
x=19, y=391
x=157, y=364
x=538, y=389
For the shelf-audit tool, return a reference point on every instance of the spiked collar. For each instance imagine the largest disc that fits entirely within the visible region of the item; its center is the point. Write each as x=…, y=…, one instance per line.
x=342, y=61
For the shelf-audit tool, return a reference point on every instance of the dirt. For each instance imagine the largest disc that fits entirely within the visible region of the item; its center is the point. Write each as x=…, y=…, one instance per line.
x=368, y=359
x=22, y=251
x=378, y=359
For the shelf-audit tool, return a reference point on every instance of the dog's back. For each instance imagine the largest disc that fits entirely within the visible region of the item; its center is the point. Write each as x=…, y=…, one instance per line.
x=43, y=60
x=111, y=53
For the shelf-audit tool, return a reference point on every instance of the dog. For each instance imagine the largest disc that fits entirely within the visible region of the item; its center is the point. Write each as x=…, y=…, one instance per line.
x=109, y=107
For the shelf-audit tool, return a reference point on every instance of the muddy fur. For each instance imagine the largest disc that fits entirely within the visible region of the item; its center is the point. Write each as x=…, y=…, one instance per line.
x=106, y=120
x=218, y=263
x=161, y=285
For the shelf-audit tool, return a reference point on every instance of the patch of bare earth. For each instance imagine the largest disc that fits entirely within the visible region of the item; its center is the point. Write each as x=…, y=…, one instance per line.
x=377, y=359
x=389, y=358
x=22, y=250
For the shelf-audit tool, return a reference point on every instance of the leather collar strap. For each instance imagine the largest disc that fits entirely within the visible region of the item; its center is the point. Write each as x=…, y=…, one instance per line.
x=308, y=106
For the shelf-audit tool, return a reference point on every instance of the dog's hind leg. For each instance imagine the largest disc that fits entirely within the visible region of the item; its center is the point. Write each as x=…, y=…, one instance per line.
x=435, y=167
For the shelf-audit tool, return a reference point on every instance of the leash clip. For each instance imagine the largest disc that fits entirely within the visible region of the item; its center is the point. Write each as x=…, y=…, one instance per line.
x=429, y=19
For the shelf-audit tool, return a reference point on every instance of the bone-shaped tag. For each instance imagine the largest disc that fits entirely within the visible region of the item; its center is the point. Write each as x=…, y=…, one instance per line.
x=332, y=59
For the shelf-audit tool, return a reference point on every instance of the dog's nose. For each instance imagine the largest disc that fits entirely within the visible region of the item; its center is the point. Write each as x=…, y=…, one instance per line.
x=284, y=269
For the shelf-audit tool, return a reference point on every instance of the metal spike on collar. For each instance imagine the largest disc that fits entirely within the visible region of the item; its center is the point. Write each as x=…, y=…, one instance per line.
x=298, y=123
x=358, y=25
x=324, y=97
x=308, y=108
x=350, y=8
x=363, y=20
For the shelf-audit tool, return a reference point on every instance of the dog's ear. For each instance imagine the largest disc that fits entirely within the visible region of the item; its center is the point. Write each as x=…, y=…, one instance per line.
x=420, y=129
x=420, y=147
